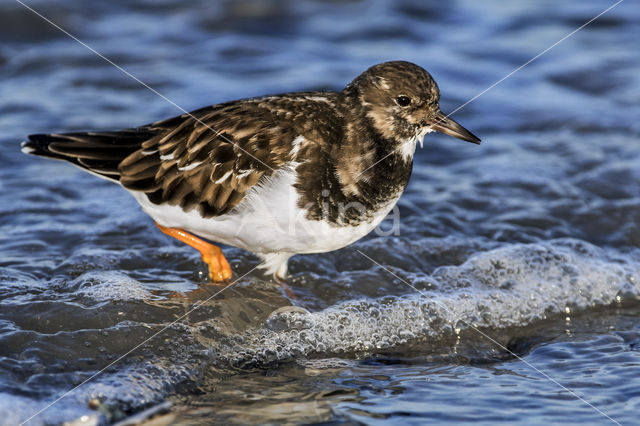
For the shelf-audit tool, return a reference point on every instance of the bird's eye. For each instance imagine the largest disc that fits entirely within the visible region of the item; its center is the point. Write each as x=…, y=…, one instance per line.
x=403, y=100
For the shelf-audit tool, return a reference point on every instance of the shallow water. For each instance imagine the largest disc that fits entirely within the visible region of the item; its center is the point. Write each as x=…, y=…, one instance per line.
x=515, y=271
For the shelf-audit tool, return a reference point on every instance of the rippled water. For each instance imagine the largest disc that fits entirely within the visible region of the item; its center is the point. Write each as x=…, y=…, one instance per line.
x=522, y=253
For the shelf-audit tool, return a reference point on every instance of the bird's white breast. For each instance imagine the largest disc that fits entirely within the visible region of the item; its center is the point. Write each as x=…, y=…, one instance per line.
x=268, y=220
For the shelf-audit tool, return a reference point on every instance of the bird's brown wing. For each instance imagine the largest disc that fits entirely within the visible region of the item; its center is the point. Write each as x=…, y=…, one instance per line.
x=208, y=159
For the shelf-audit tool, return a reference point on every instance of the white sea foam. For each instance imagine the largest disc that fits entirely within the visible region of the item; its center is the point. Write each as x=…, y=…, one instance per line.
x=511, y=286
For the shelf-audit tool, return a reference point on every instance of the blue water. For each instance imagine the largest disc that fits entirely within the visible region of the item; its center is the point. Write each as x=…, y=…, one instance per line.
x=515, y=278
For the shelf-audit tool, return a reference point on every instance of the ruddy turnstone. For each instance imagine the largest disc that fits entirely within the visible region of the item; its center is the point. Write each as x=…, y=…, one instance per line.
x=278, y=175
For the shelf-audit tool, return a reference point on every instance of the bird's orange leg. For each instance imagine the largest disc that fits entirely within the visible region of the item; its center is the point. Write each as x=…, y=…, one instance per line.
x=219, y=269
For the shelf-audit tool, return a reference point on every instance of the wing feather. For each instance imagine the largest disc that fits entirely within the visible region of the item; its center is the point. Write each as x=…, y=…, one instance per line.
x=209, y=162
x=207, y=159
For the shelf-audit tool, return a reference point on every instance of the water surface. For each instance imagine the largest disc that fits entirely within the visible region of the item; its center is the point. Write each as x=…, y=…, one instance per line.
x=513, y=258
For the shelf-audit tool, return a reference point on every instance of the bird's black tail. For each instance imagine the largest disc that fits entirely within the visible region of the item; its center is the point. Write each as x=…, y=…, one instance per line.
x=97, y=152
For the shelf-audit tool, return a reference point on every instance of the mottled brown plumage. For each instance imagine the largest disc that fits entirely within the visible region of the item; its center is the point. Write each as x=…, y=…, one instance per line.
x=353, y=147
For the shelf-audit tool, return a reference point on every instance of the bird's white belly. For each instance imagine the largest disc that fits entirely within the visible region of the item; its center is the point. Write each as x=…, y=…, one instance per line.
x=268, y=220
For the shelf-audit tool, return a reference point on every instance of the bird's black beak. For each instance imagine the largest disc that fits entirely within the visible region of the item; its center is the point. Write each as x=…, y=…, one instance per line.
x=444, y=124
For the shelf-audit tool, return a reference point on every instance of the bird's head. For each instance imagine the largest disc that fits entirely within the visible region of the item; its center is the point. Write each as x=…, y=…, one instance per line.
x=400, y=100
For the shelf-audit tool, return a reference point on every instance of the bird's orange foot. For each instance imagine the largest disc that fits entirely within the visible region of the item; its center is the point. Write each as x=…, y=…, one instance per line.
x=219, y=268
x=281, y=280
